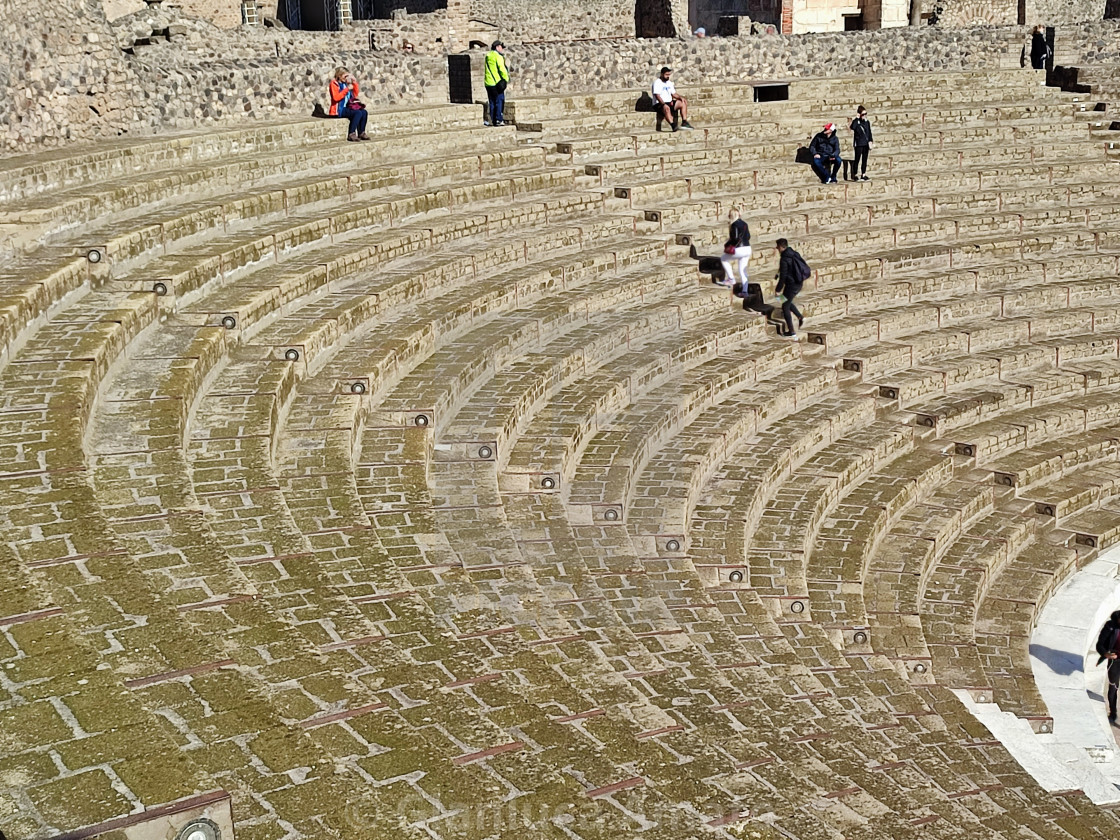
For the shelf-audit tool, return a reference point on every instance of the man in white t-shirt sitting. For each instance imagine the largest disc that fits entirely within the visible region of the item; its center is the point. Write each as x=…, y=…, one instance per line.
x=669, y=103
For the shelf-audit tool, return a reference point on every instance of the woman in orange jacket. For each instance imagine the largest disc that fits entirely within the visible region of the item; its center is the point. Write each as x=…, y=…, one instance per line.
x=343, y=90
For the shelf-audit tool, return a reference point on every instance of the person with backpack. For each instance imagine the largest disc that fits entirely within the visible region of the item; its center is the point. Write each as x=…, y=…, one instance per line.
x=496, y=81
x=793, y=271
x=737, y=249
x=1108, y=648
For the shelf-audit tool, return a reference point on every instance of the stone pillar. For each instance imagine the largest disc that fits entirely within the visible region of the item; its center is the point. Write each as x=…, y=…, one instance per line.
x=786, y=27
x=458, y=25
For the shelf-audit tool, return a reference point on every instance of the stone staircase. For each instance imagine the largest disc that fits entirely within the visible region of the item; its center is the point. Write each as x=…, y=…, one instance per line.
x=425, y=488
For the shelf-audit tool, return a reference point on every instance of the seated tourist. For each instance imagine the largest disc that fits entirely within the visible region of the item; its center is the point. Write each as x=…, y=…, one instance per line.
x=669, y=103
x=825, y=149
x=343, y=90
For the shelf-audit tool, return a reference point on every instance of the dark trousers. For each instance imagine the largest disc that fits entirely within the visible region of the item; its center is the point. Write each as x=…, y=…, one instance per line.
x=789, y=309
x=357, y=117
x=858, y=164
x=1113, y=681
x=826, y=167
x=497, y=104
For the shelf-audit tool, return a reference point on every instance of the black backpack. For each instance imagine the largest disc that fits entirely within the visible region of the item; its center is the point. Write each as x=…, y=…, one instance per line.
x=801, y=267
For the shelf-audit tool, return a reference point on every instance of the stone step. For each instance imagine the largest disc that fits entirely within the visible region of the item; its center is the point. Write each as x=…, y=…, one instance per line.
x=877, y=94
x=27, y=175
x=951, y=590
x=294, y=174
x=1038, y=465
x=1005, y=619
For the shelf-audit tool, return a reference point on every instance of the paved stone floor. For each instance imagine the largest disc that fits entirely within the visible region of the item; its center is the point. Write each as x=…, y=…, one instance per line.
x=428, y=488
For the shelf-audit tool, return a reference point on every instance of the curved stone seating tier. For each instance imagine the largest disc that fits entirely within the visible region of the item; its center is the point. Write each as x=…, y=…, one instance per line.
x=422, y=490
x=57, y=211
x=48, y=170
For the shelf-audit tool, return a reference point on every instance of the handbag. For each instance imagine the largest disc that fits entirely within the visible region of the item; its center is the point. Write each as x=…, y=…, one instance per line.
x=729, y=249
x=500, y=87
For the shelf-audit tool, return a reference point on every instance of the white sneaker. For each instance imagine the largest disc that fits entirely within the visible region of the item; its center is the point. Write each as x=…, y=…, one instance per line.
x=794, y=337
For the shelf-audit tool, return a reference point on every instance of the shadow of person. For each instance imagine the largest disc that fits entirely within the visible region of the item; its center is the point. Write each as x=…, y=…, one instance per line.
x=1062, y=662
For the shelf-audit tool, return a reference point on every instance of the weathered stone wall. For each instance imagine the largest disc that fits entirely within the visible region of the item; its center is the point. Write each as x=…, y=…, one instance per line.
x=1089, y=43
x=228, y=92
x=556, y=20
x=593, y=66
x=61, y=74
x=1051, y=12
x=1006, y=12
x=963, y=13
x=65, y=76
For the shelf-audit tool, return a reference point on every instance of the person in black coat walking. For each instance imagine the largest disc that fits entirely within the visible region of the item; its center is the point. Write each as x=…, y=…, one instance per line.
x=1108, y=648
x=1040, y=50
x=825, y=149
x=793, y=271
x=862, y=140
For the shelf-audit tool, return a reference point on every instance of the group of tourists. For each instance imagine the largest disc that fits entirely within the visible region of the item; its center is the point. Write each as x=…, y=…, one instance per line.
x=825, y=150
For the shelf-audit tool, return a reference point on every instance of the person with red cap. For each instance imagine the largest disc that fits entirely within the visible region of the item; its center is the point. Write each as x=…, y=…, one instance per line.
x=825, y=149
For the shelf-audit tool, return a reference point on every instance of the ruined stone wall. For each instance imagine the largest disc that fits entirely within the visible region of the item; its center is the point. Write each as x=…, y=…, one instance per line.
x=61, y=74
x=960, y=13
x=1089, y=43
x=65, y=75
x=556, y=20
x=593, y=66
x=1050, y=12
x=230, y=92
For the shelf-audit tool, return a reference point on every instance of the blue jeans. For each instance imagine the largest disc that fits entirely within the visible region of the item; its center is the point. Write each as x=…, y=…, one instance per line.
x=357, y=118
x=826, y=168
x=497, y=104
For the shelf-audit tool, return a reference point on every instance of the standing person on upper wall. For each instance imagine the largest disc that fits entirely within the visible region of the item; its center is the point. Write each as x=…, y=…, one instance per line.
x=496, y=81
x=1040, y=50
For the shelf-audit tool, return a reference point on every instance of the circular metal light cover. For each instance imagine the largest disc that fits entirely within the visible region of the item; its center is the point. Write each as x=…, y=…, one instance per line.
x=673, y=545
x=548, y=482
x=421, y=420
x=919, y=668
x=485, y=452
x=160, y=289
x=357, y=387
x=859, y=637
x=93, y=255
x=736, y=576
x=229, y=322
x=200, y=829
x=291, y=354
x=611, y=515
x=797, y=607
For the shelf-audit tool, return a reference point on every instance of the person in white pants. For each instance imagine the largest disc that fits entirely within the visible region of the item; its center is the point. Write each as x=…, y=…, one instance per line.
x=737, y=249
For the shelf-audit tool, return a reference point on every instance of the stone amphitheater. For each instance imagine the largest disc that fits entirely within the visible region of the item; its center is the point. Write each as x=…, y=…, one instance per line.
x=428, y=487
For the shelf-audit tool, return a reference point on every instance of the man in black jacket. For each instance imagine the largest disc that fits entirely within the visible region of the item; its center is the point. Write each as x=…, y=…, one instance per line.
x=1108, y=648
x=861, y=145
x=792, y=273
x=825, y=149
